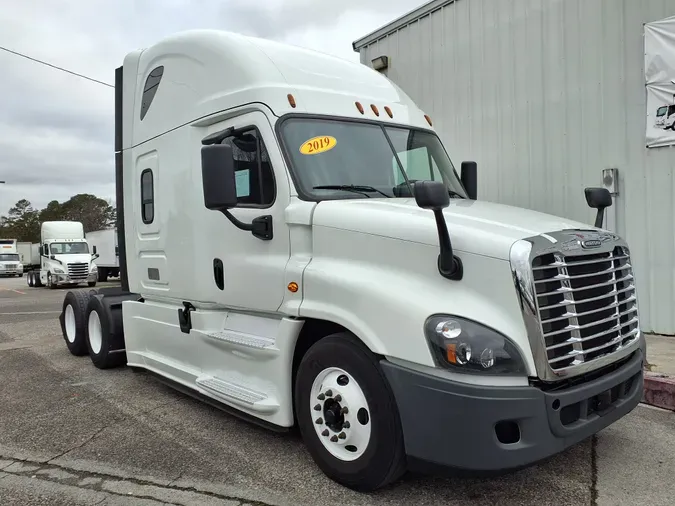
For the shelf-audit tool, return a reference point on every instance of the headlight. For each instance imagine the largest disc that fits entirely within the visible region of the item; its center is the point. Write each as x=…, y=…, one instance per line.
x=58, y=270
x=94, y=268
x=466, y=346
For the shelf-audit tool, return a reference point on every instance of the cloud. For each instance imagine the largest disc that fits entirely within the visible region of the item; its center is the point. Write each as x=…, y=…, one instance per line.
x=56, y=130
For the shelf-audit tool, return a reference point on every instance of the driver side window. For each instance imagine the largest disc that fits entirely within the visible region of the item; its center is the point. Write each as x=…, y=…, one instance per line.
x=254, y=178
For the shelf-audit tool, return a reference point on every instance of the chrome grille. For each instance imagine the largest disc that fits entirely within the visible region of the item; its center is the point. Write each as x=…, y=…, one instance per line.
x=78, y=271
x=586, y=304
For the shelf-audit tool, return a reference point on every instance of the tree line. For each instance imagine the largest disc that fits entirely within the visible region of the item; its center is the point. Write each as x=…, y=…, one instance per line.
x=22, y=222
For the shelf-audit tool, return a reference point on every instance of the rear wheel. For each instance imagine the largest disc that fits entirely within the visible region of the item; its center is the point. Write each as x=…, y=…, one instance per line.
x=347, y=414
x=73, y=322
x=99, y=336
x=29, y=279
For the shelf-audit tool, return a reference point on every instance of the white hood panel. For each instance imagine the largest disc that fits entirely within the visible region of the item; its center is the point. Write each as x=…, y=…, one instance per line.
x=475, y=226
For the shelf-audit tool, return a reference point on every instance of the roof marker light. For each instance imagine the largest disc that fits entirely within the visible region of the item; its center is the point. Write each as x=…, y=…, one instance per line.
x=426, y=117
x=291, y=100
x=374, y=108
x=388, y=110
x=359, y=107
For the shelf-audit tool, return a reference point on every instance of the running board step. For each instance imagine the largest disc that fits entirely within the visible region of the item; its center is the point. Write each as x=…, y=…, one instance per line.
x=248, y=340
x=237, y=394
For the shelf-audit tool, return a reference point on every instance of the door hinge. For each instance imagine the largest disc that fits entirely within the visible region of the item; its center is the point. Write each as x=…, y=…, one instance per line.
x=184, y=318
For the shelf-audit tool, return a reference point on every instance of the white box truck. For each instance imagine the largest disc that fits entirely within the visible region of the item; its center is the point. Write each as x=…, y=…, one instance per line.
x=65, y=257
x=10, y=261
x=288, y=256
x=105, y=242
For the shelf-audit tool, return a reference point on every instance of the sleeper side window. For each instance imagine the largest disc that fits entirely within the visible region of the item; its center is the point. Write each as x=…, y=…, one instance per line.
x=254, y=178
x=147, y=197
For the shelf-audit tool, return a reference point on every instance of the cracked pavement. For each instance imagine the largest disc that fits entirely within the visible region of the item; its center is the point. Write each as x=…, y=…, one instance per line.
x=71, y=434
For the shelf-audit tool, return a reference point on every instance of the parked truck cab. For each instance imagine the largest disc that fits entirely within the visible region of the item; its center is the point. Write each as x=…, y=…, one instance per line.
x=10, y=261
x=65, y=257
x=297, y=247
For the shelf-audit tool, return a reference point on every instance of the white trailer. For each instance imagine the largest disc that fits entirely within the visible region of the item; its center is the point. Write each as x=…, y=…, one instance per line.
x=105, y=242
x=550, y=96
x=322, y=273
x=65, y=256
x=10, y=262
x=29, y=255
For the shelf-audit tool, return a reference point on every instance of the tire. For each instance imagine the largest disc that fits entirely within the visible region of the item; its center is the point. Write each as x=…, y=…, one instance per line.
x=103, y=275
x=91, y=284
x=29, y=279
x=366, y=391
x=36, y=280
x=50, y=283
x=98, y=336
x=73, y=322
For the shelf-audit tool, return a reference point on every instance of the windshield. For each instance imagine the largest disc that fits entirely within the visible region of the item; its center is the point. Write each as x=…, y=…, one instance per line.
x=370, y=158
x=9, y=257
x=68, y=248
x=661, y=111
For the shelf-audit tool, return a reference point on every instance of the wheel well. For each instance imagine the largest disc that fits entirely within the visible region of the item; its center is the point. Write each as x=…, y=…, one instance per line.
x=311, y=333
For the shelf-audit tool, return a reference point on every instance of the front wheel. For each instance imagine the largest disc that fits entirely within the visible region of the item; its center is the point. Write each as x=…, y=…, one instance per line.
x=91, y=284
x=50, y=283
x=347, y=414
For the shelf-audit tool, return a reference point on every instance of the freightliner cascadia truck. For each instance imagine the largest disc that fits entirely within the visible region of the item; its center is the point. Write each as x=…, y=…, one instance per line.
x=297, y=247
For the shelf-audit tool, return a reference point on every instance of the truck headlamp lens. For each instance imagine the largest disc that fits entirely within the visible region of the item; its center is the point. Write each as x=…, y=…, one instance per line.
x=466, y=346
x=58, y=270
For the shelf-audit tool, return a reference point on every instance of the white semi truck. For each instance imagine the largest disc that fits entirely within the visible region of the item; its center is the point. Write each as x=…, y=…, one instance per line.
x=10, y=262
x=286, y=254
x=65, y=256
x=107, y=263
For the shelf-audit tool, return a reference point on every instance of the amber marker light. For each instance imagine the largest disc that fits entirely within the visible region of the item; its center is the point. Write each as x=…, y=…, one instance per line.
x=292, y=287
x=360, y=107
x=374, y=108
x=291, y=100
x=388, y=111
x=426, y=117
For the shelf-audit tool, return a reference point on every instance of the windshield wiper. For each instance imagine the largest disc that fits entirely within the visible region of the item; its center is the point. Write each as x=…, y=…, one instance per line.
x=365, y=190
x=453, y=193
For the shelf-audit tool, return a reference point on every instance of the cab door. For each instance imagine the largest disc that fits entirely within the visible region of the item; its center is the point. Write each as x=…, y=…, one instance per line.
x=248, y=271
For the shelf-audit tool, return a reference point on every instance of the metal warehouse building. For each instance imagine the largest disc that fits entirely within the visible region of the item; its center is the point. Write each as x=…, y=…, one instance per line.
x=549, y=97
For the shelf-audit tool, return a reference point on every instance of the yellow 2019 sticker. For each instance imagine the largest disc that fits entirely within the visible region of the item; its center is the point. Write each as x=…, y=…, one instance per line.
x=318, y=145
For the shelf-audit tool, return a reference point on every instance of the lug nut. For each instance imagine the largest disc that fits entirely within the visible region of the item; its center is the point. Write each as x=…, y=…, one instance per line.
x=338, y=398
x=317, y=407
x=344, y=411
x=321, y=397
x=334, y=439
x=319, y=421
x=346, y=425
x=329, y=393
x=342, y=435
x=325, y=432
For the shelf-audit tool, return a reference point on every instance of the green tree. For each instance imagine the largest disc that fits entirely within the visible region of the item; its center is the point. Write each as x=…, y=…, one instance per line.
x=22, y=222
x=93, y=212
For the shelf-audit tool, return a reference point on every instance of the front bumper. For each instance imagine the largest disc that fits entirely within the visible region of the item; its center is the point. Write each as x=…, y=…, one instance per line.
x=11, y=272
x=65, y=279
x=473, y=428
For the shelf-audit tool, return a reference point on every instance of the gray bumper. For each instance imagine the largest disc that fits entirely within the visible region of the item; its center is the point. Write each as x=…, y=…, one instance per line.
x=455, y=425
x=65, y=279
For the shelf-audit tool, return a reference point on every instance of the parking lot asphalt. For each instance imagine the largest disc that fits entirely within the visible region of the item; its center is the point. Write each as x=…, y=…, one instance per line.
x=72, y=434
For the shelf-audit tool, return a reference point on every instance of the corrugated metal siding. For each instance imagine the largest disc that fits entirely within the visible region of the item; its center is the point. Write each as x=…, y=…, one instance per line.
x=544, y=94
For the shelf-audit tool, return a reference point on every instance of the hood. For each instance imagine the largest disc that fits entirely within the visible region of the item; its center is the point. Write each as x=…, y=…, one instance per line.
x=79, y=258
x=475, y=226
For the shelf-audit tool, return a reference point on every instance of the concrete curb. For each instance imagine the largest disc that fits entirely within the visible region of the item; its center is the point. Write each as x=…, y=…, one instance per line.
x=659, y=390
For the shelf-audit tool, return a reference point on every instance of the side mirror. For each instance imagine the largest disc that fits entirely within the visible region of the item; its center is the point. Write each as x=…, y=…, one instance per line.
x=94, y=250
x=218, y=180
x=600, y=199
x=434, y=195
x=469, y=178
x=52, y=257
x=220, y=189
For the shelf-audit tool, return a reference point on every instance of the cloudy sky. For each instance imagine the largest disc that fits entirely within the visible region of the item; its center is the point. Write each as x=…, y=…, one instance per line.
x=56, y=130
